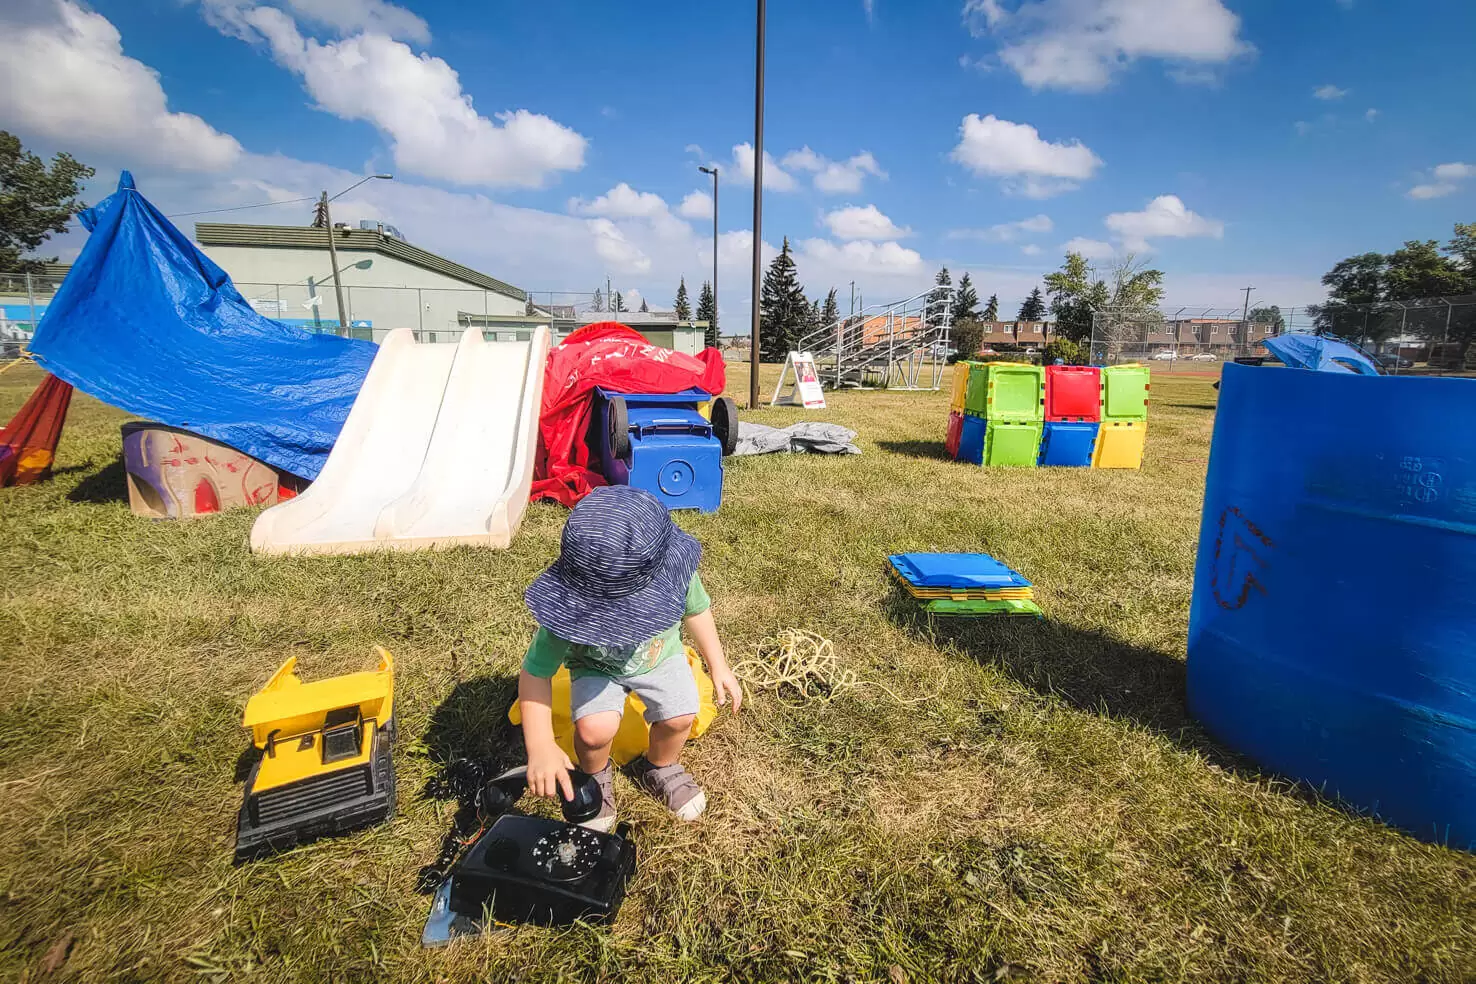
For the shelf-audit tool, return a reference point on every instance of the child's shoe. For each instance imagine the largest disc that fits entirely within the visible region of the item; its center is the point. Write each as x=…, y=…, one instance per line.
x=672, y=785
x=604, y=821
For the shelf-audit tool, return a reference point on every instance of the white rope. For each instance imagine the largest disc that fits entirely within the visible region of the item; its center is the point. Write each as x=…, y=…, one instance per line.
x=801, y=667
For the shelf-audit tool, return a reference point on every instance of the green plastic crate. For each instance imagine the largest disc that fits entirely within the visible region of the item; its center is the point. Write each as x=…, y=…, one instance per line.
x=1125, y=392
x=1012, y=443
x=976, y=391
x=978, y=609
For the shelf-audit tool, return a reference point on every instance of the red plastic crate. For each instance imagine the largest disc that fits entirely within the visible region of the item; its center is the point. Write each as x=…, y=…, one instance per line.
x=1073, y=393
x=955, y=430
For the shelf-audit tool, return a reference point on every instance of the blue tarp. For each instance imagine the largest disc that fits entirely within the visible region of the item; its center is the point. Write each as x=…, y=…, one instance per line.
x=148, y=323
x=1303, y=351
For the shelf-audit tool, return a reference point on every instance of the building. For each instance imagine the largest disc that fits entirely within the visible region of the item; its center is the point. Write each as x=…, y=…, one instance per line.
x=1028, y=334
x=286, y=274
x=1219, y=335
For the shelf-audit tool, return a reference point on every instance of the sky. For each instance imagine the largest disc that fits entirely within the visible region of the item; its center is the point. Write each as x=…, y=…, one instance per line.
x=1233, y=143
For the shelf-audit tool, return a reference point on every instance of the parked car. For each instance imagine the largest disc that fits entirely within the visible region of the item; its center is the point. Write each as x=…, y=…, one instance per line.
x=1167, y=355
x=1204, y=357
x=1392, y=361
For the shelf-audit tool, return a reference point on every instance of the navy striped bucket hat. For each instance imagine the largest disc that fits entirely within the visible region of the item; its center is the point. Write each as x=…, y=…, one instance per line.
x=622, y=573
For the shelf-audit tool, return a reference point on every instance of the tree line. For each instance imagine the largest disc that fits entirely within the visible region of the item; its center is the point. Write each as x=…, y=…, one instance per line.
x=1369, y=294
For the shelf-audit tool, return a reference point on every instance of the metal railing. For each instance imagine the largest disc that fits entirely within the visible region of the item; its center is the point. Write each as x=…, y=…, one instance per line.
x=889, y=344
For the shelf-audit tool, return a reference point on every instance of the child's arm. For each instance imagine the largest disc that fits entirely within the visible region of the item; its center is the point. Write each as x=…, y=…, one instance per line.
x=548, y=766
x=703, y=630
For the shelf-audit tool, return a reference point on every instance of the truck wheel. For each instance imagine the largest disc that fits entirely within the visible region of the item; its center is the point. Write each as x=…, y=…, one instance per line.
x=619, y=428
x=725, y=423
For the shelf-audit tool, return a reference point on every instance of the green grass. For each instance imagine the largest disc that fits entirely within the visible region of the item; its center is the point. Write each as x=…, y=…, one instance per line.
x=1052, y=814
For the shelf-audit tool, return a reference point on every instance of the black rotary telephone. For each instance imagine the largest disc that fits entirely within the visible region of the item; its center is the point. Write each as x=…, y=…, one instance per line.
x=530, y=870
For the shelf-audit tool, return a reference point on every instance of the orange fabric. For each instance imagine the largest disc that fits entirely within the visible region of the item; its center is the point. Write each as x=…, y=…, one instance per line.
x=610, y=355
x=34, y=432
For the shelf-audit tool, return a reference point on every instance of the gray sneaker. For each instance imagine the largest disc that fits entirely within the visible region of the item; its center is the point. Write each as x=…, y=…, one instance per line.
x=672, y=785
x=604, y=821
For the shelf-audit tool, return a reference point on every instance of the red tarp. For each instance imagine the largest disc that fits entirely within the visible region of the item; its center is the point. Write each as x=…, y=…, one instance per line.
x=612, y=356
x=28, y=442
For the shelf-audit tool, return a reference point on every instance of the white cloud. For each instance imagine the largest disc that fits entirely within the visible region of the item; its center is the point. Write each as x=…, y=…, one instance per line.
x=1030, y=249
x=859, y=256
x=64, y=79
x=863, y=222
x=1092, y=249
x=775, y=177
x=1302, y=127
x=1445, y=179
x=1329, y=93
x=835, y=177
x=1164, y=217
x=621, y=202
x=694, y=149
x=417, y=102
x=1081, y=44
x=697, y=205
x=367, y=16
x=1016, y=153
x=869, y=7
x=1005, y=232
x=1371, y=115
x=612, y=246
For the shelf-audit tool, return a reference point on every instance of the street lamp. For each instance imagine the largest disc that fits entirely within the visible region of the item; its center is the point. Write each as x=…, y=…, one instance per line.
x=333, y=251
x=758, y=206
x=714, y=172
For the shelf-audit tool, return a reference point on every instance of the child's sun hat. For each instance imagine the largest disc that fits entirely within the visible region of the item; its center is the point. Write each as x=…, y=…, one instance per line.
x=622, y=573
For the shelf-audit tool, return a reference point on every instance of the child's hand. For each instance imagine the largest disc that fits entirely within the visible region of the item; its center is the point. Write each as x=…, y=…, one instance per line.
x=548, y=773
x=725, y=686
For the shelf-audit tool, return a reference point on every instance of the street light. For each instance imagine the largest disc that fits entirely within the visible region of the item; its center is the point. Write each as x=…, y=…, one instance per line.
x=714, y=172
x=333, y=251
x=758, y=206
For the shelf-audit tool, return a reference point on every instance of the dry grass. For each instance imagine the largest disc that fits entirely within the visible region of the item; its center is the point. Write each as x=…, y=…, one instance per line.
x=1052, y=815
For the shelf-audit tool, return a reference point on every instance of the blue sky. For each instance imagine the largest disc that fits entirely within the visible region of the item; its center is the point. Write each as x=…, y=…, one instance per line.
x=1234, y=142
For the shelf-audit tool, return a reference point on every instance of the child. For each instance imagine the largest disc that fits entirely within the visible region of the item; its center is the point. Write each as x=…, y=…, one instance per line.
x=611, y=608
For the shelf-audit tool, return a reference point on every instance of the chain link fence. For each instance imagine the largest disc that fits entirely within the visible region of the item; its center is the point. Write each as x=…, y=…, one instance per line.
x=1191, y=335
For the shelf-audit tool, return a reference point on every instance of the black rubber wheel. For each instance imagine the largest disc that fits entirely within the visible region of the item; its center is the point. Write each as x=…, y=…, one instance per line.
x=725, y=423
x=619, y=428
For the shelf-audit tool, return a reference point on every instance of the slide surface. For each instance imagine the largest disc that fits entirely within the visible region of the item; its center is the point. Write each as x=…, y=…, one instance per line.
x=437, y=451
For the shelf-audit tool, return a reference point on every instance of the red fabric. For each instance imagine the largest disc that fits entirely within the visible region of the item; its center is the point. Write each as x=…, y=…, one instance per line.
x=609, y=355
x=33, y=433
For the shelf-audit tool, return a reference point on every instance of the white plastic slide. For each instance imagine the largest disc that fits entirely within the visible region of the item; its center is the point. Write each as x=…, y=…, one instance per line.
x=437, y=451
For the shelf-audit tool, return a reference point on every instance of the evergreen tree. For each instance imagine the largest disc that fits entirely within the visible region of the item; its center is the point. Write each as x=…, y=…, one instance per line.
x=830, y=313
x=707, y=311
x=645, y=308
x=966, y=300
x=1034, y=308
x=783, y=309
x=599, y=301
x=617, y=303
x=683, y=306
x=938, y=296
x=991, y=310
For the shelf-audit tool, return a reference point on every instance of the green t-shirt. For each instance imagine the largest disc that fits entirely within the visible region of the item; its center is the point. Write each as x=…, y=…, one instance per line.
x=548, y=652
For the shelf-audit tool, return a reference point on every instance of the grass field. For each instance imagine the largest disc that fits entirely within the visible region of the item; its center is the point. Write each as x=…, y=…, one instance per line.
x=1048, y=813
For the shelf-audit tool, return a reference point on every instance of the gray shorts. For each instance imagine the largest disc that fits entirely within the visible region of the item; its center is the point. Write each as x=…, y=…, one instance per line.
x=669, y=691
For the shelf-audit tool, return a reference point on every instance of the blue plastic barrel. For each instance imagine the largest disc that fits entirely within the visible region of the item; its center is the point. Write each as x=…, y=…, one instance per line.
x=1332, y=635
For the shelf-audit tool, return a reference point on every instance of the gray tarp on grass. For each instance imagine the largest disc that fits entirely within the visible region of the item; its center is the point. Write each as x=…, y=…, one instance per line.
x=807, y=437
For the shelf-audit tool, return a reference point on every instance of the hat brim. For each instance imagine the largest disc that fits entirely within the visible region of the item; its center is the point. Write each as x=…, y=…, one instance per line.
x=590, y=620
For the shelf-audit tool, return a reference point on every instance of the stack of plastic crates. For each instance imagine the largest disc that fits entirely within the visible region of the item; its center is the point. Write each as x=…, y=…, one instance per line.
x=1061, y=416
x=963, y=585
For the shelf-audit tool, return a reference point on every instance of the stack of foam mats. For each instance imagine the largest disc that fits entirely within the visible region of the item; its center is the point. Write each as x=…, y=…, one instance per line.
x=963, y=585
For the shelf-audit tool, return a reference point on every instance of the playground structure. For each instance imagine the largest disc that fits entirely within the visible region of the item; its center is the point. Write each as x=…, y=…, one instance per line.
x=437, y=451
x=173, y=474
x=1026, y=416
x=898, y=345
x=28, y=442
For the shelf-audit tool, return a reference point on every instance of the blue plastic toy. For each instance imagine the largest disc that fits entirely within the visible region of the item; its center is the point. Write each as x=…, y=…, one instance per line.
x=1068, y=444
x=660, y=442
x=971, y=440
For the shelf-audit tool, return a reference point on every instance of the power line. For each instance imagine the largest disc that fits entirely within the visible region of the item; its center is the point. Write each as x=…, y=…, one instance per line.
x=237, y=208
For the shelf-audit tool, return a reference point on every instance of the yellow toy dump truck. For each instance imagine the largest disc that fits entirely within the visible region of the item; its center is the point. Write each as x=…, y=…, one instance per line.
x=324, y=764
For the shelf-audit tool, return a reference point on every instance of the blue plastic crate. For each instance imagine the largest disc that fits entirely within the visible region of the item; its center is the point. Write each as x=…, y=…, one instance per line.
x=1068, y=445
x=955, y=570
x=971, y=440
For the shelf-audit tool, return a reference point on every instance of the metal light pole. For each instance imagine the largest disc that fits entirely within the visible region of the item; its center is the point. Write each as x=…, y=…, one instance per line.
x=758, y=208
x=714, y=172
x=333, y=250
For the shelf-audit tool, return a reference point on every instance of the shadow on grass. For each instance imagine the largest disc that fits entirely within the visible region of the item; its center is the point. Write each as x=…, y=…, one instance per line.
x=1191, y=406
x=932, y=450
x=108, y=484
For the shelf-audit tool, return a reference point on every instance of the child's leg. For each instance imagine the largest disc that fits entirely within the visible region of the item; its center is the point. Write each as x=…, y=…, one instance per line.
x=668, y=738
x=593, y=735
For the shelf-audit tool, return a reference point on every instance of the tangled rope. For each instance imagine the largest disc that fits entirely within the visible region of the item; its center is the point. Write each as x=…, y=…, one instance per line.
x=801, y=667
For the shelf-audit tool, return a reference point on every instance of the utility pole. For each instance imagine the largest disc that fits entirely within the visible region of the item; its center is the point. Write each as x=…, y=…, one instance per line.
x=758, y=208
x=333, y=258
x=714, y=172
